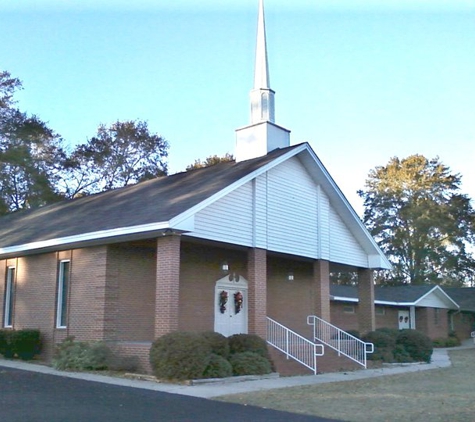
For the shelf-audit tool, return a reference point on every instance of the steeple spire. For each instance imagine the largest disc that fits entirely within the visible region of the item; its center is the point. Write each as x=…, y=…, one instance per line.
x=262, y=96
x=262, y=135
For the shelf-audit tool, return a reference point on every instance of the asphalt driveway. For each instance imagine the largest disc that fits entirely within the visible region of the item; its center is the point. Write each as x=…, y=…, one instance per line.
x=30, y=396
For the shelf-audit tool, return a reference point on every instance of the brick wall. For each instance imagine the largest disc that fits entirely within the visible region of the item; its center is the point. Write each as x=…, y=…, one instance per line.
x=366, y=315
x=200, y=269
x=290, y=302
x=463, y=324
x=35, y=293
x=427, y=322
x=3, y=279
x=130, y=305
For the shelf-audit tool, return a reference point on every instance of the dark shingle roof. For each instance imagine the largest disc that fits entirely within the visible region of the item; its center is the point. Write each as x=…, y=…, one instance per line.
x=153, y=201
x=464, y=296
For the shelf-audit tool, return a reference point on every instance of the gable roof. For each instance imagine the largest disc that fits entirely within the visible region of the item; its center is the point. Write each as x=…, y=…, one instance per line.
x=145, y=206
x=409, y=295
x=464, y=296
x=169, y=203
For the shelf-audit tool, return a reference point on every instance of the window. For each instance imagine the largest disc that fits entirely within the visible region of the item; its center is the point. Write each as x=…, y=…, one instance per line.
x=436, y=316
x=380, y=310
x=9, y=297
x=349, y=309
x=63, y=289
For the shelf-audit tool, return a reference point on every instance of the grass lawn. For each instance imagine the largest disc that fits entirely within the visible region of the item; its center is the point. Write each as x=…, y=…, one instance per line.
x=436, y=395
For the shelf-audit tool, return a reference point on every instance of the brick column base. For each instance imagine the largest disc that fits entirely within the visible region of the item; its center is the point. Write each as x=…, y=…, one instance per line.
x=167, y=285
x=257, y=292
x=321, y=282
x=366, y=315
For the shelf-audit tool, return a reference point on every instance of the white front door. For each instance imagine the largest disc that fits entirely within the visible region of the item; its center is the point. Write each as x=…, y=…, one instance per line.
x=230, y=304
x=404, y=320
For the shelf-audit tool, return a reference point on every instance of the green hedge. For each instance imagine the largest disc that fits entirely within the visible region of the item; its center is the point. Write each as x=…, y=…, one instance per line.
x=391, y=345
x=24, y=344
x=184, y=355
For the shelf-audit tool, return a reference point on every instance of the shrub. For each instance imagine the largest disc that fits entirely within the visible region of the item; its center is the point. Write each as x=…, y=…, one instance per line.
x=239, y=343
x=249, y=363
x=417, y=345
x=22, y=343
x=391, y=332
x=446, y=342
x=400, y=354
x=452, y=342
x=3, y=342
x=81, y=355
x=218, y=367
x=180, y=355
x=383, y=345
x=439, y=342
x=354, y=333
x=25, y=343
x=218, y=343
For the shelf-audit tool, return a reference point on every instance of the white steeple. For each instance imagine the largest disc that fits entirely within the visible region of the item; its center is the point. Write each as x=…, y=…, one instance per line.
x=262, y=135
x=262, y=97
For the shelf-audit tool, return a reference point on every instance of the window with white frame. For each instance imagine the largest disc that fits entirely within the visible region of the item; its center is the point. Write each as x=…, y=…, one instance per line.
x=9, y=297
x=63, y=290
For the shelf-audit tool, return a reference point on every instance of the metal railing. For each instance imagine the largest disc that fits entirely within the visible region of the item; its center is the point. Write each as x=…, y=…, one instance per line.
x=341, y=341
x=472, y=334
x=293, y=345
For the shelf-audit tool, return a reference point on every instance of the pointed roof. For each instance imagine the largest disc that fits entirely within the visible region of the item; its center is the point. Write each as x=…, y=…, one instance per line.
x=261, y=72
x=407, y=295
x=155, y=207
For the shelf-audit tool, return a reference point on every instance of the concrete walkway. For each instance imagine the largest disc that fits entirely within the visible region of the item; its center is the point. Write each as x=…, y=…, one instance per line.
x=440, y=359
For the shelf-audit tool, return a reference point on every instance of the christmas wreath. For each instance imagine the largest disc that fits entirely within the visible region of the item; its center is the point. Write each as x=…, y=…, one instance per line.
x=223, y=299
x=238, y=301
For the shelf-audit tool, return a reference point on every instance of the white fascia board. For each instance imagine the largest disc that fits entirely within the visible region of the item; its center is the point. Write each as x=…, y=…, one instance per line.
x=377, y=259
x=345, y=299
x=85, y=237
x=438, y=291
x=238, y=183
x=376, y=302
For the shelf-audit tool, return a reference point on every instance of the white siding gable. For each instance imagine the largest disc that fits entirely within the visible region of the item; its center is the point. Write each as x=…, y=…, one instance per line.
x=282, y=210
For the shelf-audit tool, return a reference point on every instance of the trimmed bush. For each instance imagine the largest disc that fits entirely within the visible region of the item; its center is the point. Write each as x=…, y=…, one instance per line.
x=250, y=363
x=239, y=343
x=391, y=332
x=180, y=356
x=383, y=345
x=81, y=355
x=24, y=344
x=3, y=342
x=218, y=343
x=417, y=345
x=218, y=367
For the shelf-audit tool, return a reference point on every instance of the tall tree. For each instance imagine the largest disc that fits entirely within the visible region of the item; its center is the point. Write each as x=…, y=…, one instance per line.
x=122, y=154
x=421, y=220
x=210, y=161
x=30, y=154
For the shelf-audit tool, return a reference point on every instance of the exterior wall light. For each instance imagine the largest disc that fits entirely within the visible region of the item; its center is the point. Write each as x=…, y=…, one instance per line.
x=224, y=267
x=290, y=276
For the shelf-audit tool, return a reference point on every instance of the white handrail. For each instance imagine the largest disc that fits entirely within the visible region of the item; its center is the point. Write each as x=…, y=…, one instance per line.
x=472, y=334
x=293, y=345
x=341, y=341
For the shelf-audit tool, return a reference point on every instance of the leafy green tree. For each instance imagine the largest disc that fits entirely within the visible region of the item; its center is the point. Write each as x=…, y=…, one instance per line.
x=30, y=154
x=119, y=155
x=210, y=161
x=414, y=208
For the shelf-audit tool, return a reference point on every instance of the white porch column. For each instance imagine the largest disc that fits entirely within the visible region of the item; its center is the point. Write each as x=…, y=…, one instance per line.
x=412, y=317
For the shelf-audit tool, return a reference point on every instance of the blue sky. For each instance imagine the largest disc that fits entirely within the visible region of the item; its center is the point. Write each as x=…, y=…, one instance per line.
x=362, y=81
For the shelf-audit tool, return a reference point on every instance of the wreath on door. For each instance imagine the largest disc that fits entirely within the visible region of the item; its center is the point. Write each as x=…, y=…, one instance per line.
x=238, y=302
x=223, y=299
